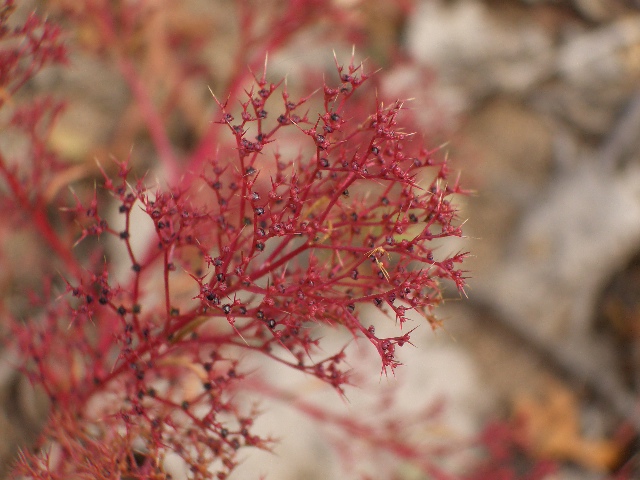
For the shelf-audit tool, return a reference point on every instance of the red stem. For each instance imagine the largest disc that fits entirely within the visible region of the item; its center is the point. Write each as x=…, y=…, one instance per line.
x=150, y=114
x=152, y=119
x=355, y=429
x=40, y=220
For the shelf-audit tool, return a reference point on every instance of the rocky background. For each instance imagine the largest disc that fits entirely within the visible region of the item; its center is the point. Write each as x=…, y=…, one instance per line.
x=548, y=119
x=539, y=101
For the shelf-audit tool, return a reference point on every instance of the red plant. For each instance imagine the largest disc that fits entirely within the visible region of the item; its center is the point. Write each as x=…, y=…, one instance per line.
x=292, y=220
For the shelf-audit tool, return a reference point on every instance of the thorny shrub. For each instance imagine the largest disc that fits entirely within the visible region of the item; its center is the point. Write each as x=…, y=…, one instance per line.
x=295, y=220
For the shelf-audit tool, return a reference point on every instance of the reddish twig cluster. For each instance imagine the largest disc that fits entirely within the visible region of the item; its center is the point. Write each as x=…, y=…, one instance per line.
x=296, y=220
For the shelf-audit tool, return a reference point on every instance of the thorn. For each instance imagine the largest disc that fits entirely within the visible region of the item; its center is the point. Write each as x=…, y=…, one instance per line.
x=100, y=166
x=240, y=335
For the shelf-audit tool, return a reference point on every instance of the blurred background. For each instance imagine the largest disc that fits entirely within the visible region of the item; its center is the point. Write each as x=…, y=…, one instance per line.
x=538, y=102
